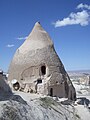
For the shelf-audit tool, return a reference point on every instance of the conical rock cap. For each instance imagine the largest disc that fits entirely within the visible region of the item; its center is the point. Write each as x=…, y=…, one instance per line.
x=37, y=39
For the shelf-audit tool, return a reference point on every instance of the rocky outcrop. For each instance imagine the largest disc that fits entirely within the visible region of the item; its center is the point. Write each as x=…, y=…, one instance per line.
x=45, y=108
x=4, y=87
x=37, y=67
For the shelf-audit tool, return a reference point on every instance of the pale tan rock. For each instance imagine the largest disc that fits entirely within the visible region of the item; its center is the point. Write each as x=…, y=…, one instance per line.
x=36, y=63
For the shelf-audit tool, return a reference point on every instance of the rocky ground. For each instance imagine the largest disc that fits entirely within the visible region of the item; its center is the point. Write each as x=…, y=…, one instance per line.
x=83, y=100
x=25, y=106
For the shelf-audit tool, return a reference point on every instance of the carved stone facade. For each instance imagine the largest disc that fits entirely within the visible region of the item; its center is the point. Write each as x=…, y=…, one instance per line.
x=37, y=67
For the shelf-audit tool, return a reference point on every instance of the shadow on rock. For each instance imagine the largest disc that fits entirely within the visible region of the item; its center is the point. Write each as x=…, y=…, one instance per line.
x=66, y=102
x=5, y=96
x=18, y=99
x=83, y=101
x=11, y=96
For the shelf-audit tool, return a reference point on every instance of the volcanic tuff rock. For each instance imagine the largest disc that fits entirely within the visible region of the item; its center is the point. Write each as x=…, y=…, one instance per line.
x=37, y=67
x=44, y=108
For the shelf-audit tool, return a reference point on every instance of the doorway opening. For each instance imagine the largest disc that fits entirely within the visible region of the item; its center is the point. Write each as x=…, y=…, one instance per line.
x=71, y=97
x=51, y=91
x=66, y=88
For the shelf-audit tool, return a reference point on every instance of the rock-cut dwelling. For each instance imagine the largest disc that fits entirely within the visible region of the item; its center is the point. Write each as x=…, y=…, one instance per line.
x=37, y=68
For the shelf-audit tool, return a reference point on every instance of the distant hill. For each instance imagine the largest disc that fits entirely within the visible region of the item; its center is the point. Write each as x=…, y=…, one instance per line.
x=79, y=72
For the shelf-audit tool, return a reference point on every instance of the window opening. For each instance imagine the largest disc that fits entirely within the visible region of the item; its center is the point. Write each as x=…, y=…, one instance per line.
x=39, y=81
x=43, y=70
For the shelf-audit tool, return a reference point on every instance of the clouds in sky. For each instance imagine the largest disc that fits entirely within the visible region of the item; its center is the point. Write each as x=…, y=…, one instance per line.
x=82, y=18
x=21, y=38
x=10, y=45
x=83, y=6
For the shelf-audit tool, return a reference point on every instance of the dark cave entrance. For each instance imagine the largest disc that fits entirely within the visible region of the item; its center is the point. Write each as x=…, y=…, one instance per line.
x=43, y=70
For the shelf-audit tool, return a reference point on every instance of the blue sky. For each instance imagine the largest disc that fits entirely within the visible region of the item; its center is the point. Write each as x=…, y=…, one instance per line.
x=67, y=22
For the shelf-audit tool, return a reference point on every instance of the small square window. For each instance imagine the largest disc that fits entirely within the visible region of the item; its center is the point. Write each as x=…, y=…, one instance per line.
x=39, y=81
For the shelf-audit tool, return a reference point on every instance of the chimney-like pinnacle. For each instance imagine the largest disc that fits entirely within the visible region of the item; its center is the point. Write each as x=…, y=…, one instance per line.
x=37, y=39
x=38, y=22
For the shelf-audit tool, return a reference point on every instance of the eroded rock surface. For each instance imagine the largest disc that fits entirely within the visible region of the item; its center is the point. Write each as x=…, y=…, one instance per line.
x=44, y=108
x=38, y=69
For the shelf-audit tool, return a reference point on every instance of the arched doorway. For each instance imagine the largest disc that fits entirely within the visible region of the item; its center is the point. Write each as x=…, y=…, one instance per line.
x=51, y=91
x=66, y=89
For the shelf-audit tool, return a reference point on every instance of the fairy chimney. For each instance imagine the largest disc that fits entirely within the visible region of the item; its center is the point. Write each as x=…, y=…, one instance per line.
x=37, y=68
